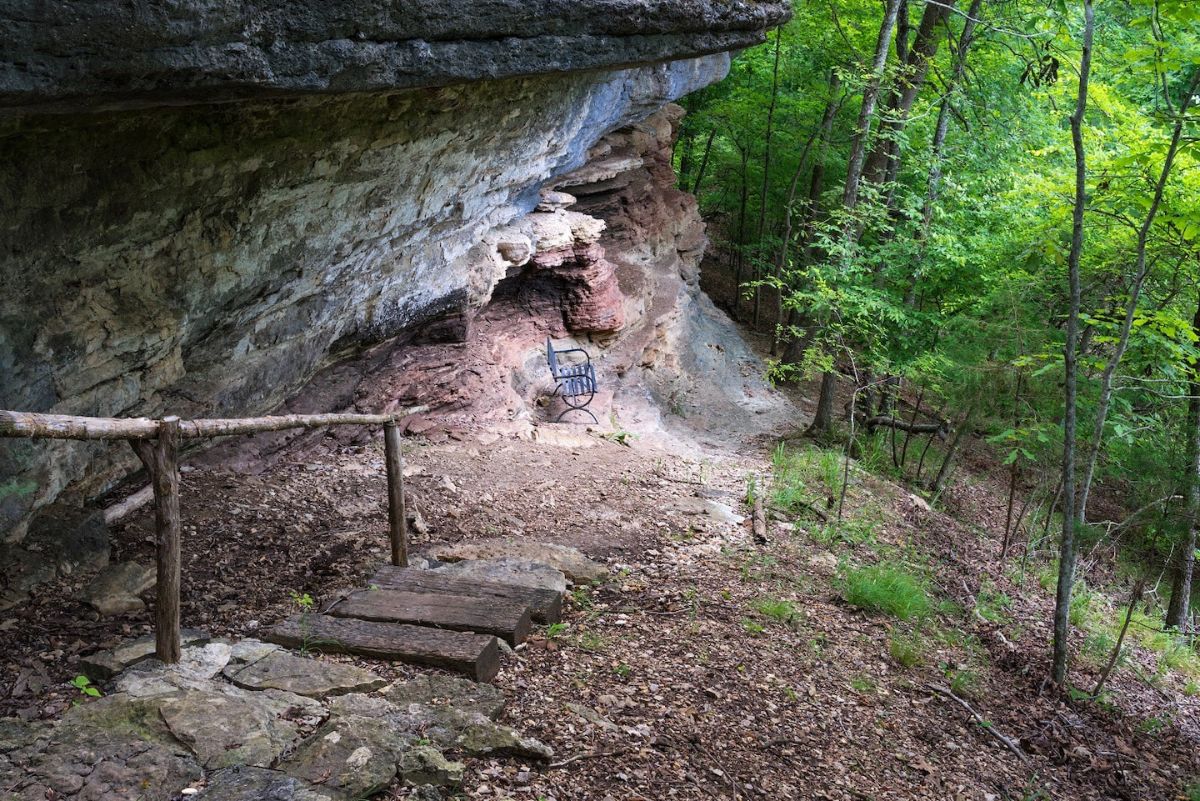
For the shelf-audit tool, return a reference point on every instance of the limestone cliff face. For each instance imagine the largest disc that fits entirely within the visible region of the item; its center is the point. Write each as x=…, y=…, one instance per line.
x=161, y=251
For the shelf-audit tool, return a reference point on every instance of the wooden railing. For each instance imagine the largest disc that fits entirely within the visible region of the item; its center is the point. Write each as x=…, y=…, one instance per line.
x=157, y=443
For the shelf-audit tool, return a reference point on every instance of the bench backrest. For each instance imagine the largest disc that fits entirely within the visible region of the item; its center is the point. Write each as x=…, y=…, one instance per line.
x=551, y=357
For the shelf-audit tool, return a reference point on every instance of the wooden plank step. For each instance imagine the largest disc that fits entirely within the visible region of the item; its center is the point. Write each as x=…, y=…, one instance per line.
x=477, y=655
x=546, y=604
x=502, y=617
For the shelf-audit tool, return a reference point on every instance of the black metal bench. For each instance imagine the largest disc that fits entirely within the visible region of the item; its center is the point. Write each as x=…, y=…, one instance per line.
x=575, y=382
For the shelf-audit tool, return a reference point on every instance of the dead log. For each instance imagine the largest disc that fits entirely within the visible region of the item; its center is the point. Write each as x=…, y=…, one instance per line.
x=885, y=421
x=760, y=521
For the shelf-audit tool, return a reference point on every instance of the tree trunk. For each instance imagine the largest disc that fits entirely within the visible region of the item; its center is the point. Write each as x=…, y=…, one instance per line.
x=822, y=424
x=785, y=243
x=766, y=181
x=1178, y=610
x=703, y=163
x=1067, y=552
x=933, y=183
x=943, y=474
x=885, y=154
x=1110, y=369
x=741, y=235
x=862, y=129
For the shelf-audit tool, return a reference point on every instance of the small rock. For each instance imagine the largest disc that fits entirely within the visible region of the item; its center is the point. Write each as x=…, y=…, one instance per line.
x=553, y=200
x=115, y=589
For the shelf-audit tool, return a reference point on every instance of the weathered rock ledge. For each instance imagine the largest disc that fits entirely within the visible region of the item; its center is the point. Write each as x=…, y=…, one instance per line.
x=71, y=55
x=206, y=258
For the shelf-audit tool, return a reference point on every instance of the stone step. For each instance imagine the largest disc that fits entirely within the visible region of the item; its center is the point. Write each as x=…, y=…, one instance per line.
x=503, y=617
x=545, y=604
x=476, y=655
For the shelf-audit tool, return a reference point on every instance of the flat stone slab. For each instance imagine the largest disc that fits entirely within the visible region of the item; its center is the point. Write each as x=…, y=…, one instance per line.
x=507, y=570
x=258, y=784
x=436, y=689
x=449, y=727
x=281, y=670
x=545, y=603
x=570, y=561
x=103, y=665
x=225, y=730
x=116, y=589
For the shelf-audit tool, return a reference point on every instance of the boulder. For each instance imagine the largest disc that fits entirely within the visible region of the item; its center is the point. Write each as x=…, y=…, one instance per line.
x=570, y=561
x=317, y=678
x=116, y=589
x=61, y=540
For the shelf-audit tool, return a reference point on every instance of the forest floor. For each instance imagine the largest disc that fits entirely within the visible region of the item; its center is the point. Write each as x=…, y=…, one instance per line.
x=710, y=665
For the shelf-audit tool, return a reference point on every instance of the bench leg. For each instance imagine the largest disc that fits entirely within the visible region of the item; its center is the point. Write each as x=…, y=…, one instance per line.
x=570, y=409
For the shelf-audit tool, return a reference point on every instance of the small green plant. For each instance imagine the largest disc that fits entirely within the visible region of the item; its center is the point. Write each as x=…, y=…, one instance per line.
x=906, y=650
x=863, y=684
x=753, y=626
x=963, y=683
x=779, y=610
x=621, y=437
x=303, y=601
x=992, y=604
x=1154, y=724
x=85, y=687
x=887, y=589
x=622, y=670
x=591, y=641
x=581, y=599
x=555, y=630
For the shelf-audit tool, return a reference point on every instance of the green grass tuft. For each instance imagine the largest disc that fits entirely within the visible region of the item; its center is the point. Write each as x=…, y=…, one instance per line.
x=886, y=589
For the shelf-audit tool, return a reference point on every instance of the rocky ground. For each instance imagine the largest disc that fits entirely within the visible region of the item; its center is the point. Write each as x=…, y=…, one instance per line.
x=709, y=664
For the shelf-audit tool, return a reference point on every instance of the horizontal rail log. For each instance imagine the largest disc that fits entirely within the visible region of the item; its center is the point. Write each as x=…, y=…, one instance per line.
x=65, y=426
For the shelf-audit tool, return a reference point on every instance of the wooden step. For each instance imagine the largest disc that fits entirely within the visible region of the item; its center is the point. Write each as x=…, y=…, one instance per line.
x=502, y=617
x=546, y=604
x=477, y=655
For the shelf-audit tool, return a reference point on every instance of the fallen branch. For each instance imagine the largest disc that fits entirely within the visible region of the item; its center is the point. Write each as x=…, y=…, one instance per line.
x=884, y=421
x=588, y=755
x=122, y=509
x=1006, y=741
x=760, y=521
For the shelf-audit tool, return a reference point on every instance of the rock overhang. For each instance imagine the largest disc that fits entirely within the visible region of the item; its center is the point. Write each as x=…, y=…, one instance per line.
x=60, y=55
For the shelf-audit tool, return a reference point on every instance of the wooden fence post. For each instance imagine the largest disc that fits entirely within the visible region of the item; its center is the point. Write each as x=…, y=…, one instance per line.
x=161, y=458
x=397, y=518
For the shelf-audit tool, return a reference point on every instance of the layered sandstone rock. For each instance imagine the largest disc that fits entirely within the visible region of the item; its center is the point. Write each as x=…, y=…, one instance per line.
x=206, y=203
